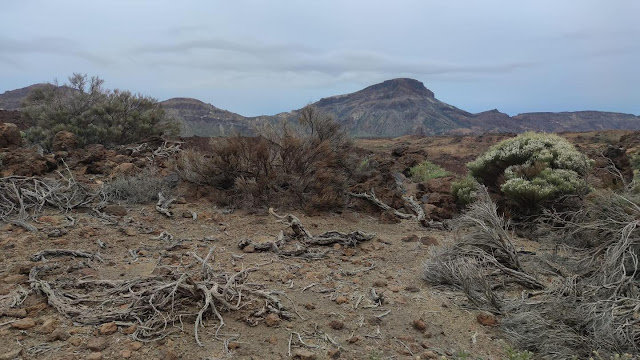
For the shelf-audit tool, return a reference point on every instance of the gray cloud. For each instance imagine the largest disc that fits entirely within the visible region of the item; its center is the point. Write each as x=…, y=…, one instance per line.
x=256, y=57
x=53, y=46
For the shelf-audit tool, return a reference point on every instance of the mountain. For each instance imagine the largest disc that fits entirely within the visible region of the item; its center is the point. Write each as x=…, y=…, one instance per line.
x=12, y=99
x=202, y=119
x=394, y=108
x=391, y=108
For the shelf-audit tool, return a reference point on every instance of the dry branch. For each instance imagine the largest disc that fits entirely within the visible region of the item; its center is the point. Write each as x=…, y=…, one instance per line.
x=24, y=198
x=301, y=240
x=42, y=255
x=372, y=197
x=412, y=204
x=163, y=205
x=158, y=303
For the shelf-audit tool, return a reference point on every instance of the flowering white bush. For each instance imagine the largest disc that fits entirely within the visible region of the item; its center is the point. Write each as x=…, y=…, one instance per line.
x=532, y=168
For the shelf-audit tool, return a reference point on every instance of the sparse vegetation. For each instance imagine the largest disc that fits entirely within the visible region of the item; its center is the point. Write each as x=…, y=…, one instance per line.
x=592, y=303
x=533, y=168
x=308, y=166
x=427, y=170
x=94, y=114
x=142, y=188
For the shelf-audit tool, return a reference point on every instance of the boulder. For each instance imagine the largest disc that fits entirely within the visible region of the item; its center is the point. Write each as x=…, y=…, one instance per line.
x=24, y=162
x=440, y=185
x=10, y=135
x=64, y=141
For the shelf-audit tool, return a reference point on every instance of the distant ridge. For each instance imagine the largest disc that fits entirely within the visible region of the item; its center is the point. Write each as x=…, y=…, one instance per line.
x=391, y=108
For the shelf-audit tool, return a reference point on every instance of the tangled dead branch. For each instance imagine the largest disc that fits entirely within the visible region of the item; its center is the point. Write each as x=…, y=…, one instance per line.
x=23, y=198
x=411, y=203
x=157, y=304
x=304, y=240
x=163, y=205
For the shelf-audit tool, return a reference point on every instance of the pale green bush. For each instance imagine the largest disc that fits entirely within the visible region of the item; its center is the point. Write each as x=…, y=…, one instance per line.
x=427, y=170
x=532, y=168
x=463, y=190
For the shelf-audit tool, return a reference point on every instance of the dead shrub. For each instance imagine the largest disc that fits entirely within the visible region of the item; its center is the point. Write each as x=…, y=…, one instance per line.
x=308, y=166
x=593, y=301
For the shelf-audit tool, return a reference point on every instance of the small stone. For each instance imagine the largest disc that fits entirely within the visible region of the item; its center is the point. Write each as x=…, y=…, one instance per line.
x=419, y=325
x=15, y=279
x=16, y=313
x=249, y=249
x=115, y=210
x=379, y=283
x=24, y=324
x=108, y=328
x=136, y=345
x=234, y=345
x=129, y=231
x=429, y=355
x=333, y=353
x=349, y=252
x=487, y=319
x=130, y=329
x=48, y=326
x=125, y=354
x=342, y=300
x=59, y=335
x=53, y=220
x=168, y=354
x=353, y=339
x=336, y=325
x=97, y=344
x=303, y=354
x=11, y=355
x=410, y=238
x=272, y=320
x=94, y=356
x=75, y=340
x=429, y=241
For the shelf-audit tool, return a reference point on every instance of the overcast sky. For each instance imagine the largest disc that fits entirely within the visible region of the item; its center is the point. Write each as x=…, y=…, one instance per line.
x=264, y=57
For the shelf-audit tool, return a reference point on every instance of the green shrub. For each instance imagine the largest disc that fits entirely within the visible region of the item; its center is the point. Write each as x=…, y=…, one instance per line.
x=532, y=168
x=95, y=115
x=463, y=190
x=427, y=170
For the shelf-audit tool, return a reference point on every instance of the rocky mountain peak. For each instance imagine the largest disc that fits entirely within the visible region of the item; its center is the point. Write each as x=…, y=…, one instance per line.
x=400, y=87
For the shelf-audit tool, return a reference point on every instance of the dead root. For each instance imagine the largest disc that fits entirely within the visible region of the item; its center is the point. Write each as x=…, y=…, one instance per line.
x=412, y=204
x=158, y=304
x=300, y=243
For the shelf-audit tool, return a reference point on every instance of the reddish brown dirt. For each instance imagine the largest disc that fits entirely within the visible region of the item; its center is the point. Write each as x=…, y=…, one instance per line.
x=387, y=263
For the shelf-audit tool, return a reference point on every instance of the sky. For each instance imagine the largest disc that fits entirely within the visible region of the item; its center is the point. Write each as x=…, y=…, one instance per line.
x=266, y=57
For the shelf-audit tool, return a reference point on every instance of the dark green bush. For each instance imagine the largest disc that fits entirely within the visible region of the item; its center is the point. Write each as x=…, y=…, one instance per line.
x=94, y=114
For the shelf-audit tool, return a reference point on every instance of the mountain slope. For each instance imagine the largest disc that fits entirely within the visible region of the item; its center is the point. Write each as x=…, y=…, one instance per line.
x=12, y=99
x=202, y=119
x=394, y=108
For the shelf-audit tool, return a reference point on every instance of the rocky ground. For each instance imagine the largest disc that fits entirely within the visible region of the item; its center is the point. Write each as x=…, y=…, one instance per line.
x=336, y=314
x=358, y=302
